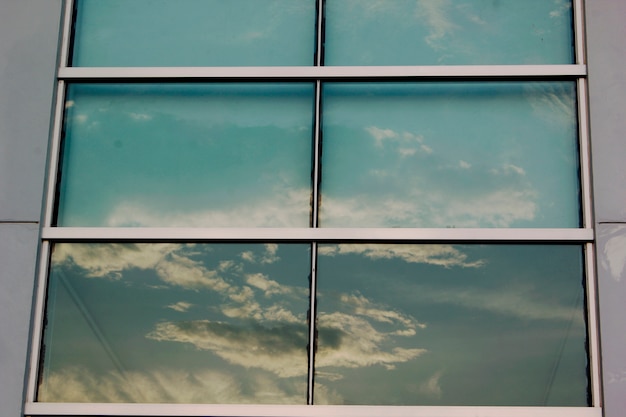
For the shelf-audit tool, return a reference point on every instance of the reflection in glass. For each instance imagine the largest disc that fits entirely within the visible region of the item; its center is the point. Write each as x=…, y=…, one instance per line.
x=215, y=155
x=444, y=32
x=450, y=155
x=176, y=323
x=184, y=33
x=451, y=325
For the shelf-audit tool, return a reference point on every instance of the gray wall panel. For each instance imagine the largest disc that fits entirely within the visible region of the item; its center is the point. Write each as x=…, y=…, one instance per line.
x=612, y=293
x=29, y=32
x=18, y=253
x=606, y=35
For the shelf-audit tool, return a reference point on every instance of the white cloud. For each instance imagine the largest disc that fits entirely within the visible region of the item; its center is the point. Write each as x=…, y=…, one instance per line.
x=199, y=386
x=381, y=134
x=280, y=349
x=289, y=208
x=514, y=300
x=109, y=260
x=442, y=255
x=360, y=344
x=140, y=116
x=432, y=387
x=434, y=13
x=181, y=306
x=268, y=286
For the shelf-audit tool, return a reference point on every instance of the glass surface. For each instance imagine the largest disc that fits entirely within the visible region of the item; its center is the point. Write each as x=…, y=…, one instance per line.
x=451, y=325
x=450, y=155
x=176, y=323
x=148, y=33
x=214, y=155
x=445, y=32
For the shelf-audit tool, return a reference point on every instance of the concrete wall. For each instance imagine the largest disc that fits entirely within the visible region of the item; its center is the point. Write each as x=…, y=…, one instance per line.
x=606, y=40
x=28, y=43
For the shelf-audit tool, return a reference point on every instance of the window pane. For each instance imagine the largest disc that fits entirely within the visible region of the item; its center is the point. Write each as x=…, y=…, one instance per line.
x=176, y=323
x=450, y=155
x=213, y=155
x=444, y=32
x=147, y=33
x=451, y=325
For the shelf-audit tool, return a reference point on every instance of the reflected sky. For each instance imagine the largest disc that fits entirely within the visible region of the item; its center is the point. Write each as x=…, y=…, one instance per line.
x=226, y=323
x=177, y=323
x=146, y=33
x=453, y=325
x=211, y=155
x=447, y=32
x=450, y=155
x=393, y=155
x=358, y=32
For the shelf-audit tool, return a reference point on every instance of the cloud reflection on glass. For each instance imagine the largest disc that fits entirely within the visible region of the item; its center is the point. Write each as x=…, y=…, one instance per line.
x=226, y=323
x=445, y=32
x=450, y=155
x=212, y=155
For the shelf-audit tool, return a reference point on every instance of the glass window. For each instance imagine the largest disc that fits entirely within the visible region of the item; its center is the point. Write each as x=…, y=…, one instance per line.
x=186, y=155
x=451, y=325
x=413, y=234
x=450, y=155
x=177, y=323
x=185, y=33
x=444, y=32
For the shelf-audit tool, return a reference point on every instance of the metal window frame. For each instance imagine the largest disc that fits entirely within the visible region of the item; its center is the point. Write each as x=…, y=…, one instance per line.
x=317, y=74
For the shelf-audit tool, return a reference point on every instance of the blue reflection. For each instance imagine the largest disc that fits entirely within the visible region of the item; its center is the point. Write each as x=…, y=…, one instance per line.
x=450, y=155
x=444, y=32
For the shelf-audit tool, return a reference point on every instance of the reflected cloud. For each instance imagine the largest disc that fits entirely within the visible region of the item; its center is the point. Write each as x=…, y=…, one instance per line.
x=613, y=251
x=435, y=14
x=280, y=349
x=432, y=387
x=442, y=255
x=517, y=301
x=289, y=208
x=350, y=341
x=167, y=386
x=180, y=306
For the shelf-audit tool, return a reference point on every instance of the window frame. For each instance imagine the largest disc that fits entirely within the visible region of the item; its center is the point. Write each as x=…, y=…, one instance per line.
x=317, y=74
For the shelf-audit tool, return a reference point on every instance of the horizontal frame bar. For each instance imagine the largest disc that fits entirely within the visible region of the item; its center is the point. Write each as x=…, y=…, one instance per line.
x=316, y=234
x=71, y=409
x=321, y=73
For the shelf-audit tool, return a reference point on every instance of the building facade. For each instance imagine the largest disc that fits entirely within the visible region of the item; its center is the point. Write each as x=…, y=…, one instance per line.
x=31, y=33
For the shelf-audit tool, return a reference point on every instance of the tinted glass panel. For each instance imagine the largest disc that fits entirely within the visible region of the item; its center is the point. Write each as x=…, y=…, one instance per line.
x=176, y=323
x=186, y=155
x=450, y=155
x=445, y=32
x=451, y=325
x=146, y=33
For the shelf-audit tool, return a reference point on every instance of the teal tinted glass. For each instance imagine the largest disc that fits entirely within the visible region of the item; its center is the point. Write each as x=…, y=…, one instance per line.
x=450, y=155
x=214, y=155
x=444, y=32
x=148, y=33
x=451, y=325
x=176, y=323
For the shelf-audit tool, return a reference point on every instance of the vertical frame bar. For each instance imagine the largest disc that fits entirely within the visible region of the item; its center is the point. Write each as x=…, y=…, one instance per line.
x=45, y=247
x=67, y=33
x=579, y=31
x=37, y=322
x=593, y=327
x=585, y=152
x=315, y=200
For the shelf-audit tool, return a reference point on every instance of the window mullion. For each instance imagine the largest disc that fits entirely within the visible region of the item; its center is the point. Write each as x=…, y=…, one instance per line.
x=315, y=200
